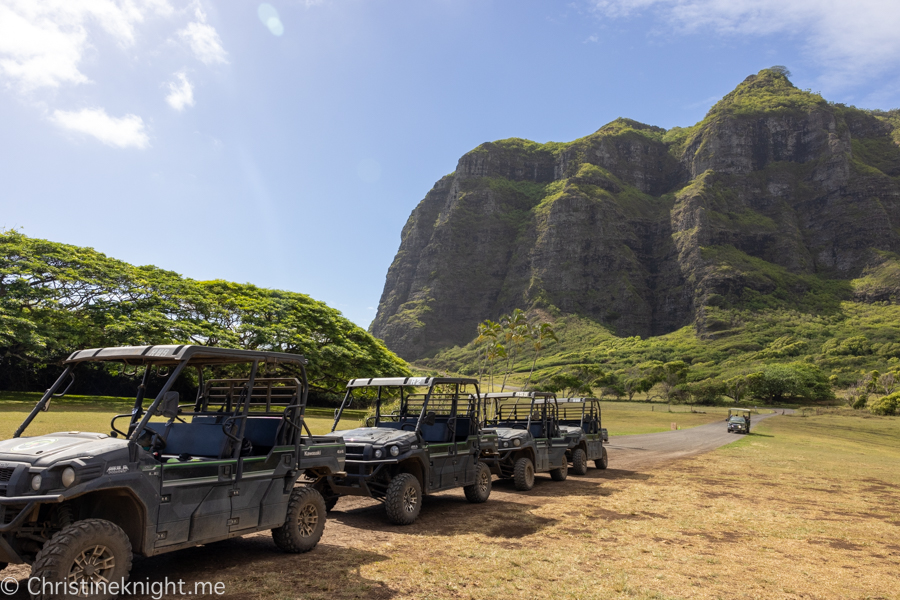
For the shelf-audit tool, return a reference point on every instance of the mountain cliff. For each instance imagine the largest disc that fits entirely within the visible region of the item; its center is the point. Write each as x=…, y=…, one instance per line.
x=777, y=199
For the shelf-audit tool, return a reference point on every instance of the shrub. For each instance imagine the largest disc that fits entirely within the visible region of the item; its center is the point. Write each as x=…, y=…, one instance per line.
x=886, y=405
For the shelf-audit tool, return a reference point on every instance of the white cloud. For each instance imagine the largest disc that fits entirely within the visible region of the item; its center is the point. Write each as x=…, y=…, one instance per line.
x=124, y=132
x=42, y=42
x=204, y=40
x=854, y=40
x=181, y=92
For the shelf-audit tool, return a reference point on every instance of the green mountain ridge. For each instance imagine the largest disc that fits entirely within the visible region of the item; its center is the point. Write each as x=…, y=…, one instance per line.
x=777, y=202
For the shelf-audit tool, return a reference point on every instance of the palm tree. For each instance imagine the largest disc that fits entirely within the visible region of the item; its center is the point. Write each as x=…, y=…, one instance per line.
x=488, y=331
x=495, y=350
x=515, y=332
x=539, y=336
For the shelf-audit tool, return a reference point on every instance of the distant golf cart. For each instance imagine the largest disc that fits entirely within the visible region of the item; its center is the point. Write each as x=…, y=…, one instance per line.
x=429, y=443
x=76, y=505
x=738, y=420
x=579, y=422
x=529, y=439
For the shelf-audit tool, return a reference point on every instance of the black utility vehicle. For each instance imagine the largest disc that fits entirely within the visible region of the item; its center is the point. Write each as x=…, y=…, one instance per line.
x=76, y=505
x=739, y=420
x=579, y=421
x=529, y=439
x=427, y=442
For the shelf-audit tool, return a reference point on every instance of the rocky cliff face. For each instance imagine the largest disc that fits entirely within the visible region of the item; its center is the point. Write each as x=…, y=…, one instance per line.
x=777, y=198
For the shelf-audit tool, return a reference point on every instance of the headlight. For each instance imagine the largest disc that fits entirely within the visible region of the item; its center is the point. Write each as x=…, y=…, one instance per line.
x=394, y=450
x=506, y=444
x=36, y=482
x=517, y=442
x=68, y=476
x=379, y=453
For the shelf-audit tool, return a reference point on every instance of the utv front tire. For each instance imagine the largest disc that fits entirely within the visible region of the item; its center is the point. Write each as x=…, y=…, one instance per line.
x=331, y=502
x=524, y=474
x=403, y=500
x=85, y=552
x=561, y=473
x=479, y=491
x=303, y=523
x=579, y=462
x=603, y=461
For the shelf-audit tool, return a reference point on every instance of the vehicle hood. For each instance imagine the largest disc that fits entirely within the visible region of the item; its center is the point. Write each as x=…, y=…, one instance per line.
x=376, y=436
x=506, y=433
x=568, y=430
x=48, y=449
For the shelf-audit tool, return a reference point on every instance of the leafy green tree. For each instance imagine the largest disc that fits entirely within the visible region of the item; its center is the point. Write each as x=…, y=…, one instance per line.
x=488, y=332
x=495, y=350
x=56, y=298
x=670, y=375
x=633, y=381
x=792, y=381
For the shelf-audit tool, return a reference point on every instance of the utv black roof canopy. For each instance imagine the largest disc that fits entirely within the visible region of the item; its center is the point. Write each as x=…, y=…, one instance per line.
x=536, y=395
x=403, y=381
x=175, y=354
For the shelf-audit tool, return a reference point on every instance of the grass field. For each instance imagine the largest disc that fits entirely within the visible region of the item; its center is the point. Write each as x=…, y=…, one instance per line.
x=81, y=413
x=805, y=507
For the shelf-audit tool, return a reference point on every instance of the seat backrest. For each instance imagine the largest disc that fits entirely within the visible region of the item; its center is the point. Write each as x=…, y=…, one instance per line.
x=463, y=427
x=436, y=434
x=537, y=430
x=195, y=439
x=262, y=431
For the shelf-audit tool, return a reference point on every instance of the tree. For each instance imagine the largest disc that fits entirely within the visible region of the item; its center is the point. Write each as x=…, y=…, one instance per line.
x=671, y=375
x=887, y=382
x=793, y=381
x=56, y=298
x=515, y=331
x=495, y=350
x=540, y=334
x=488, y=332
x=634, y=382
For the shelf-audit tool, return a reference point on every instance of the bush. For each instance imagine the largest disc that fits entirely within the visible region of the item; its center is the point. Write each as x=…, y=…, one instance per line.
x=886, y=405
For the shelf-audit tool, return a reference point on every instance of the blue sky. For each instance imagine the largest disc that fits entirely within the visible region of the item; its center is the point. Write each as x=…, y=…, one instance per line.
x=285, y=144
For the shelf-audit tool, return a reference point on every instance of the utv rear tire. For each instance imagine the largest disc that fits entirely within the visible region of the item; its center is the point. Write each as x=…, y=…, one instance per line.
x=524, y=474
x=603, y=461
x=303, y=523
x=403, y=500
x=579, y=462
x=479, y=491
x=91, y=551
x=561, y=473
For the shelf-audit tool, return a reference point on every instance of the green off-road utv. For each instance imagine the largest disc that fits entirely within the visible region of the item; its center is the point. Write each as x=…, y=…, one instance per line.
x=77, y=505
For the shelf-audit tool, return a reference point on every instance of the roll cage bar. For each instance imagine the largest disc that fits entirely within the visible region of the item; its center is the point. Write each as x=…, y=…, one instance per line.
x=448, y=403
x=175, y=358
x=542, y=404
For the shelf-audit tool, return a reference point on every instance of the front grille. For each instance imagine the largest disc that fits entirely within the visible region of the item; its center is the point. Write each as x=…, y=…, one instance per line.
x=355, y=450
x=6, y=474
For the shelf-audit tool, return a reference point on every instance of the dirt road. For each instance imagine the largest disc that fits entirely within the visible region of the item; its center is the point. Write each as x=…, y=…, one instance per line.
x=636, y=452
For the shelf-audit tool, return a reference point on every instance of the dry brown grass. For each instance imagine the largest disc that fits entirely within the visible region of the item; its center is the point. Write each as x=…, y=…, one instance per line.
x=804, y=508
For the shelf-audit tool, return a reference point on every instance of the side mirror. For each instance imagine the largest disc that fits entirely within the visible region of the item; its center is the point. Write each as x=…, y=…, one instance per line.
x=430, y=418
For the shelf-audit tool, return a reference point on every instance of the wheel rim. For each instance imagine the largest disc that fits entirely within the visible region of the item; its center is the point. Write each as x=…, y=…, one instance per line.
x=410, y=499
x=307, y=520
x=93, y=565
x=485, y=481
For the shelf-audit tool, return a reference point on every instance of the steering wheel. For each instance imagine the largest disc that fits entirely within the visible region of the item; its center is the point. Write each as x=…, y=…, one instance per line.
x=409, y=425
x=517, y=426
x=112, y=425
x=157, y=442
